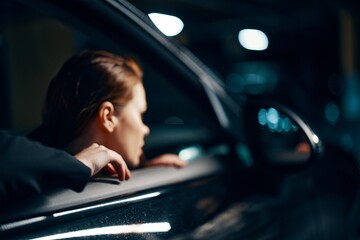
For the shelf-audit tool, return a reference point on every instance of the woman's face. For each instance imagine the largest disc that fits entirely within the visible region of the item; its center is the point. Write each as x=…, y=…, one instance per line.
x=128, y=137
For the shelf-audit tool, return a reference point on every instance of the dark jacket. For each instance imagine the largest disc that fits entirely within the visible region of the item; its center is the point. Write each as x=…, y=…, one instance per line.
x=28, y=167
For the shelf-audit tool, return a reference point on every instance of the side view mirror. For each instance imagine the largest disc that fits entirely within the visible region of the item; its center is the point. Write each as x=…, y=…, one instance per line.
x=279, y=137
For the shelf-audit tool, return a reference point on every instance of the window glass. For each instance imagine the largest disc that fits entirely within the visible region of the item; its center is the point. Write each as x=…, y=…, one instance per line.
x=34, y=46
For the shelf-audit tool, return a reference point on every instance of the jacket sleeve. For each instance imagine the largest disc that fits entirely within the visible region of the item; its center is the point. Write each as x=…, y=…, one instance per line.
x=27, y=167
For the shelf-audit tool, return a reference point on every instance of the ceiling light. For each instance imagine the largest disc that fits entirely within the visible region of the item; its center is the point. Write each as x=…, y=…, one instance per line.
x=253, y=39
x=167, y=24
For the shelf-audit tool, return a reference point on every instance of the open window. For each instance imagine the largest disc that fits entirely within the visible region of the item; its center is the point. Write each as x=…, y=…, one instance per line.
x=180, y=114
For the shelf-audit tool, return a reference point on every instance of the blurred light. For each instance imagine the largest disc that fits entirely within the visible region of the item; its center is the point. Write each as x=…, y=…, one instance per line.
x=347, y=142
x=315, y=138
x=141, y=197
x=295, y=127
x=190, y=153
x=279, y=125
x=252, y=78
x=274, y=121
x=272, y=117
x=235, y=83
x=253, y=39
x=262, y=117
x=244, y=153
x=286, y=124
x=167, y=24
x=332, y=112
x=351, y=97
x=20, y=223
x=121, y=229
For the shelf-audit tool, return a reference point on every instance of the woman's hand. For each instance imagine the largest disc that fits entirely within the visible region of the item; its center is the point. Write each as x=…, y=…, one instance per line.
x=96, y=157
x=166, y=160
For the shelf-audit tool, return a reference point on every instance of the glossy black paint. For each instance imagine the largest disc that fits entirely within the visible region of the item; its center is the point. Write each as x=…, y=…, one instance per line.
x=183, y=206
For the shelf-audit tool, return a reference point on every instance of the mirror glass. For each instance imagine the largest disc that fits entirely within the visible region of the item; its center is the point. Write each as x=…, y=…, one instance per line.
x=277, y=135
x=281, y=138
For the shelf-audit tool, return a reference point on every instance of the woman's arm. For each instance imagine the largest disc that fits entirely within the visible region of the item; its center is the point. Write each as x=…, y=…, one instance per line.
x=28, y=167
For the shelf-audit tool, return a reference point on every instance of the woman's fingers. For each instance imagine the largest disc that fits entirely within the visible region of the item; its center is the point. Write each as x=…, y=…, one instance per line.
x=97, y=157
x=110, y=169
x=167, y=160
x=122, y=171
x=119, y=166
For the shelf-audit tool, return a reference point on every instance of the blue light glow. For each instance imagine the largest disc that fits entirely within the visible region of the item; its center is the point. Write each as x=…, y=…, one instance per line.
x=274, y=121
x=332, y=112
x=190, y=153
x=262, y=117
x=272, y=117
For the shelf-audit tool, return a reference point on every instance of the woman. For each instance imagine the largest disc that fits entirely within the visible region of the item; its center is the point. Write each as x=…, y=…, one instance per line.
x=98, y=97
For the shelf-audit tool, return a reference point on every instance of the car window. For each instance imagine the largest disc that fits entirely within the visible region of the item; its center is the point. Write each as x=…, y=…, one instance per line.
x=35, y=46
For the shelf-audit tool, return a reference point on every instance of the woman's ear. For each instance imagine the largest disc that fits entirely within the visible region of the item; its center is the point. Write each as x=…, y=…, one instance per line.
x=107, y=119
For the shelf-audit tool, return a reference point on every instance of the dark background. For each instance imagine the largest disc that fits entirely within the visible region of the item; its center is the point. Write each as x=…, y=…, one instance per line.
x=311, y=64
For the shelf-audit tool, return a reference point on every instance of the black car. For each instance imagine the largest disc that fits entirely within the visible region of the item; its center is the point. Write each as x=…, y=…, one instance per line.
x=256, y=168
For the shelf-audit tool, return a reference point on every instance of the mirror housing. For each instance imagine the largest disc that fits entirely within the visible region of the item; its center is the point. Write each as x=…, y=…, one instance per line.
x=279, y=137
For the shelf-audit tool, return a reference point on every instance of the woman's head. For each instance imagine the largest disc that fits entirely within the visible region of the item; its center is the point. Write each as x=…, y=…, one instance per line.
x=95, y=91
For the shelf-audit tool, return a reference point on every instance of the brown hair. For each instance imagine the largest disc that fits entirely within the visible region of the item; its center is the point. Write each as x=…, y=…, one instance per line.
x=76, y=92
